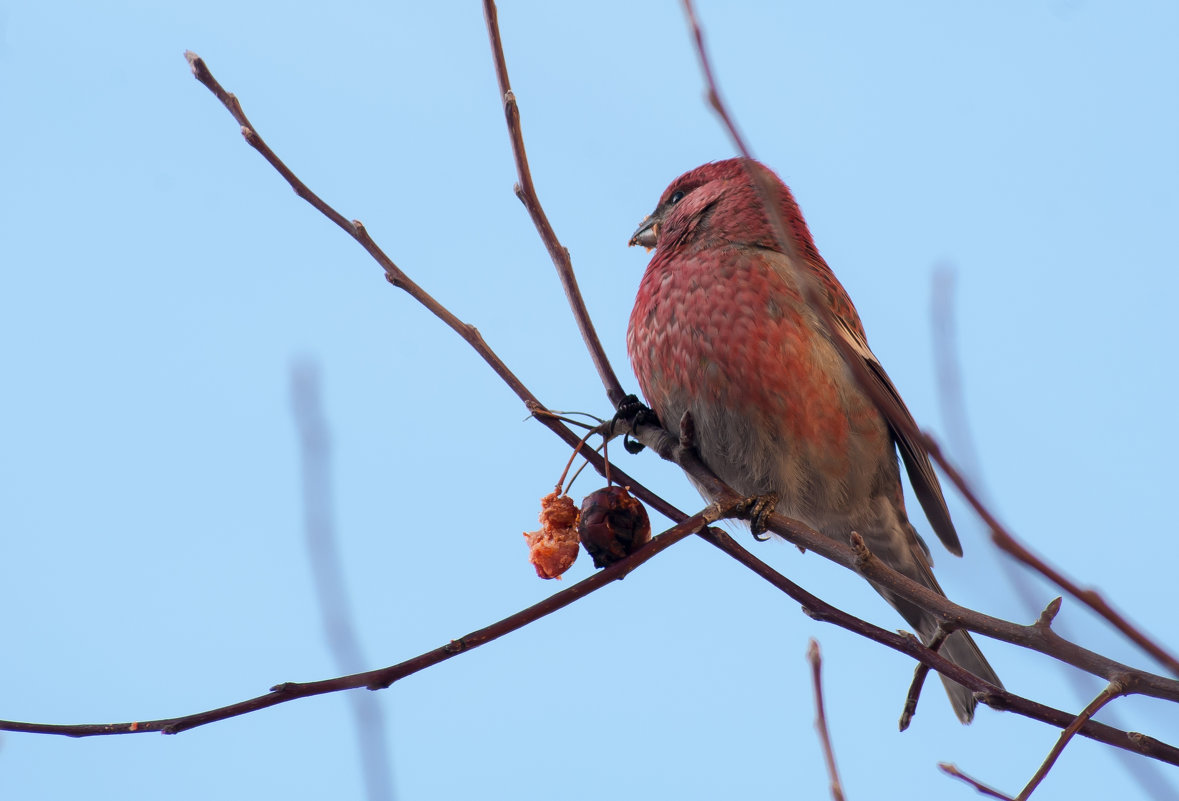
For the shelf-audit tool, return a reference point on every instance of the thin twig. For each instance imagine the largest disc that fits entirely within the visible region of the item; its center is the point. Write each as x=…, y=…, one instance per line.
x=951, y=387
x=919, y=675
x=999, y=534
x=814, y=606
x=526, y=191
x=1116, y=688
x=356, y=230
x=816, y=660
x=760, y=181
x=952, y=399
x=907, y=644
x=950, y=769
x=324, y=556
x=1091, y=598
x=382, y=678
x=1035, y=638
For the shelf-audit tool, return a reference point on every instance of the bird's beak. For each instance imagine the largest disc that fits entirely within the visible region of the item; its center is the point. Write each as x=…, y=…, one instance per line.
x=647, y=234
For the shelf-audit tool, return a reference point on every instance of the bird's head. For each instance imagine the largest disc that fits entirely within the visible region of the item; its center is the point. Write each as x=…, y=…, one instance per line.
x=718, y=202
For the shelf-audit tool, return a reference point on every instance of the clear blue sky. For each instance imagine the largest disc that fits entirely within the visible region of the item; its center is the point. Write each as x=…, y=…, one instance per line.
x=159, y=281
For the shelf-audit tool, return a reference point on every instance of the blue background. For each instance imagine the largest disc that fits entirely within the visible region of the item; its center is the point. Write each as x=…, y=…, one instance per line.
x=160, y=280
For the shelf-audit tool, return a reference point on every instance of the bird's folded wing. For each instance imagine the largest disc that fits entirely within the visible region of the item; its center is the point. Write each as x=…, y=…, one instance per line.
x=920, y=469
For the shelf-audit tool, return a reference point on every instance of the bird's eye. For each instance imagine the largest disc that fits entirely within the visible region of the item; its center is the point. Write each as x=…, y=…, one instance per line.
x=676, y=197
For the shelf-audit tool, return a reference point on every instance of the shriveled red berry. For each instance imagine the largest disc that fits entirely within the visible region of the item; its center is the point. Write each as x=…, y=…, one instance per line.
x=553, y=549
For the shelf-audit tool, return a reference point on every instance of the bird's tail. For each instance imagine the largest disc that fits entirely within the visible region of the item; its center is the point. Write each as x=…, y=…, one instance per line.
x=960, y=648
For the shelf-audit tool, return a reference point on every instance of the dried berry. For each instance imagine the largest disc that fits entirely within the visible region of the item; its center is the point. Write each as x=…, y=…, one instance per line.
x=553, y=549
x=612, y=525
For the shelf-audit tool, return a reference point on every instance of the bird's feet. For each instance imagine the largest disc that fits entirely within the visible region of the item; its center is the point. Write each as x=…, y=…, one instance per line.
x=757, y=510
x=634, y=412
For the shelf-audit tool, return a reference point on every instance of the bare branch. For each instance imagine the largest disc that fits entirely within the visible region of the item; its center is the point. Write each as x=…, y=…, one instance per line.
x=816, y=660
x=1032, y=637
x=919, y=675
x=1091, y=598
x=1002, y=538
x=526, y=191
x=908, y=644
x=1044, y=621
x=952, y=770
x=952, y=400
x=952, y=410
x=382, y=678
x=951, y=390
x=324, y=557
x=1116, y=688
x=357, y=231
x=760, y=181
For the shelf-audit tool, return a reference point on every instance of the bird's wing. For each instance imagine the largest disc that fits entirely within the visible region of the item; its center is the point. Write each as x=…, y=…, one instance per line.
x=851, y=330
x=920, y=469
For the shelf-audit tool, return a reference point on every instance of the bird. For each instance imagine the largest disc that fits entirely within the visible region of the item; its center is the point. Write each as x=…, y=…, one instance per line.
x=724, y=327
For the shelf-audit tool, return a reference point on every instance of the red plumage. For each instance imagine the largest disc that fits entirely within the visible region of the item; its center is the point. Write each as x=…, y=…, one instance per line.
x=721, y=327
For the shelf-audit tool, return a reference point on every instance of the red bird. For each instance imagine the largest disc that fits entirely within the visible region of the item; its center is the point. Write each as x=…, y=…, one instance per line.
x=721, y=328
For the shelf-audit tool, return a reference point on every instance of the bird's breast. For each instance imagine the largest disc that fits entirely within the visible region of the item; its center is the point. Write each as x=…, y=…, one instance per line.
x=726, y=335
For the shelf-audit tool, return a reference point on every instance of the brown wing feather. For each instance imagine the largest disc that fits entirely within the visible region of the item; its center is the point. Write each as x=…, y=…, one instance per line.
x=917, y=464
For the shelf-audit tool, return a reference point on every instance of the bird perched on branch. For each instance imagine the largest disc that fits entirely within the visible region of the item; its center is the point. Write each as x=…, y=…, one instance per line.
x=725, y=326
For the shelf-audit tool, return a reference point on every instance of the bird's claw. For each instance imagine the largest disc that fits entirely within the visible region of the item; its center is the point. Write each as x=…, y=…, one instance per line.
x=634, y=412
x=757, y=509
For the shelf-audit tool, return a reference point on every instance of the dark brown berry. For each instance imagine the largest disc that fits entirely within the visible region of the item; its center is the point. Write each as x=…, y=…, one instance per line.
x=612, y=525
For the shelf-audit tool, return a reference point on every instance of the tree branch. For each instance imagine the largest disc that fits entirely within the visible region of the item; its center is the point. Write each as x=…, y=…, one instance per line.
x=815, y=658
x=907, y=644
x=356, y=230
x=1037, y=638
x=952, y=770
x=919, y=675
x=382, y=678
x=331, y=589
x=952, y=399
x=526, y=191
x=1116, y=688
